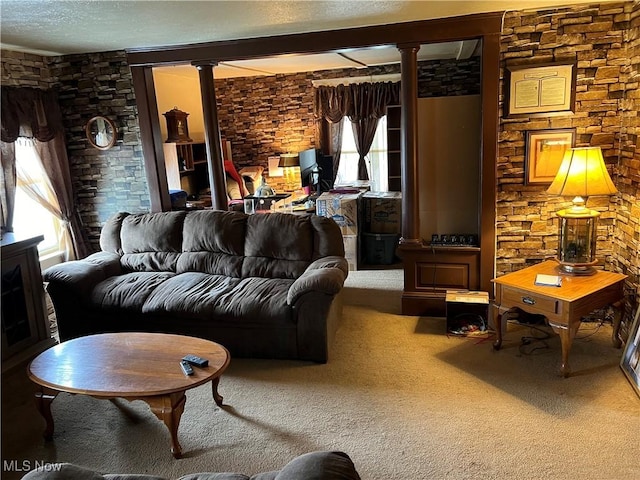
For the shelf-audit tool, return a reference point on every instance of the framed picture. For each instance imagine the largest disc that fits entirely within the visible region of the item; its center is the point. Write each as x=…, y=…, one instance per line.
x=544, y=150
x=541, y=90
x=630, y=363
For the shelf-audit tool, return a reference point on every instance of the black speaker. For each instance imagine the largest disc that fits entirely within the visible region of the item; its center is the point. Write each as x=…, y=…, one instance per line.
x=325, y=172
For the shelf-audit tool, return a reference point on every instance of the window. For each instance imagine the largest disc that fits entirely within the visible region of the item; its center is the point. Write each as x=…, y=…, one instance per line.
x=376, y=159
x=29, y=217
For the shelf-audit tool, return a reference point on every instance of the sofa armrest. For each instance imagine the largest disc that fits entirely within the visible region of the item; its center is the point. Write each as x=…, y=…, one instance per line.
x=325, y=275
x=319, y=466
x=80, y=276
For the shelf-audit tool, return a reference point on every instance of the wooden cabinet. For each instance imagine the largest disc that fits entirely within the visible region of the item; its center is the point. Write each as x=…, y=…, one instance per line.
x=25, y=325
x=449, y=203
x=431, y=271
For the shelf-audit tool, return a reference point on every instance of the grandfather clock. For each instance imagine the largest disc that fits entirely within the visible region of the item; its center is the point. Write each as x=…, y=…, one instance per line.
x=177, y=128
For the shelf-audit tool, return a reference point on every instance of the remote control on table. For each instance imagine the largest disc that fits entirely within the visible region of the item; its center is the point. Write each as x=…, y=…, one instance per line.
x=195, y=360
x=186, y=368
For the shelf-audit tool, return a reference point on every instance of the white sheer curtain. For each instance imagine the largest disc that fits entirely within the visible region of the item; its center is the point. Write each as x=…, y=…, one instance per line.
x=376, y=159
x=37, y=211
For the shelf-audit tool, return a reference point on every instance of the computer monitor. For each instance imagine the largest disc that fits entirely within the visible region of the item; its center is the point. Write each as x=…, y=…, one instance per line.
x=309, y=168
x=316, y=170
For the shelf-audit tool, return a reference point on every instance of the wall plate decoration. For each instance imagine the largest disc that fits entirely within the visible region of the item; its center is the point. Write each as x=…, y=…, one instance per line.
x=541, y=90
x=544, y=150
x=177, y=127
x=101, y=132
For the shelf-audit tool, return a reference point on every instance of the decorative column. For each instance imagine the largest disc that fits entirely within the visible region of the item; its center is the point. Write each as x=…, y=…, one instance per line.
x=409, y=144
x=217, y=181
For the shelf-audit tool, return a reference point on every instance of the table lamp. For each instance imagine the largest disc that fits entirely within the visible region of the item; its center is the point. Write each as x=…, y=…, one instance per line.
x=582, y=173
x=288, y=163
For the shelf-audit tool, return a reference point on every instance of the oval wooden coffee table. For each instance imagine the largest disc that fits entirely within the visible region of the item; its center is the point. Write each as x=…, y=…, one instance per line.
x=133, y=366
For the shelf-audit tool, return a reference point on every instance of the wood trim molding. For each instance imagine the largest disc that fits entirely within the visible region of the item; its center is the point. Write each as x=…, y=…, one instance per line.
x=151, y=138
x=424, y=31
x=409, y=144
x=490, y=120
x=212, y=137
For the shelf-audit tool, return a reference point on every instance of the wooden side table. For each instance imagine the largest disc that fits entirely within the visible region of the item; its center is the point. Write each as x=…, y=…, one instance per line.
x=563, y=306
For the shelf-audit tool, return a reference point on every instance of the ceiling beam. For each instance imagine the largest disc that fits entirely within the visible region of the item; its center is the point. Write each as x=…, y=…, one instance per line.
x=421, y=32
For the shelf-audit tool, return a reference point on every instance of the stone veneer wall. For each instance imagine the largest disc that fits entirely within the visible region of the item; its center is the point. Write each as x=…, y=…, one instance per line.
x=262, y=116
x=105, y=182
x=20, y=69
x=602, y=39
x=269, y=115
x=114, y=180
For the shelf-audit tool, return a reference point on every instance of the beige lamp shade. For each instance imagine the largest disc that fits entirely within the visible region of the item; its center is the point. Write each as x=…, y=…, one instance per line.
x=582, y=173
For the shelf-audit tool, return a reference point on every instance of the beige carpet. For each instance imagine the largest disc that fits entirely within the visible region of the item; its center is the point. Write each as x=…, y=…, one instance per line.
x=402, y=398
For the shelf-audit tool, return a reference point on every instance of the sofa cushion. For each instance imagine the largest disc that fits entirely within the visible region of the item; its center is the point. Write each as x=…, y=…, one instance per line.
x=277, y=245
x=152, y=241
x=309, y=466
x=259, y=300
x=190, y=294
x=150, y=261
x=214, y=476
x=128, y=291
x=203, y=296
x=213, y=242
x=214, y=231
x=328, y=237
x=319, y=466
x=110, y=233
x=69, y=471
x=211, y=263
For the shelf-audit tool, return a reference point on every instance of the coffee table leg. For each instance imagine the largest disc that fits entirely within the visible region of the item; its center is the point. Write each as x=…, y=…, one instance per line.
x=44, y=397
x=169, y=408
x=214, y=387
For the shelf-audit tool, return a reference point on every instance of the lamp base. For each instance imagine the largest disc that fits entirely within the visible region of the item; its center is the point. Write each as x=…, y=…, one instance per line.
x=577, y=236
x=577, y=269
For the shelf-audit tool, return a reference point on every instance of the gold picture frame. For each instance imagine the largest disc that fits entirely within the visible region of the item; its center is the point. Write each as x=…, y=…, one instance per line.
x=630, y=362
x=542, y=90
x=544, y=150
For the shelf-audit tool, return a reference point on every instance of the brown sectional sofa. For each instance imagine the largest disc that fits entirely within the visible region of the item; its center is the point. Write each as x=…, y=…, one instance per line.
x=264, y=285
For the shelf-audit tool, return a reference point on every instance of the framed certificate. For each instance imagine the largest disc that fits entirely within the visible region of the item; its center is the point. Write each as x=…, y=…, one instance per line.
x=542, y=90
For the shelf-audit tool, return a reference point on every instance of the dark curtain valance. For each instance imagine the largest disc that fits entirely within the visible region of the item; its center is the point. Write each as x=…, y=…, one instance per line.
x=356, y=100
x=363, y=104
x=29, y=112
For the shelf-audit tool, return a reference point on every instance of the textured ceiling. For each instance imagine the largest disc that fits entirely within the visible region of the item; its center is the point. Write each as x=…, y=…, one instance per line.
x=81, y=26
x=57, y=27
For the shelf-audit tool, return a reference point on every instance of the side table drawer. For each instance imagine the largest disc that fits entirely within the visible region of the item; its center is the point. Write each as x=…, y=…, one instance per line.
x=541, y=304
